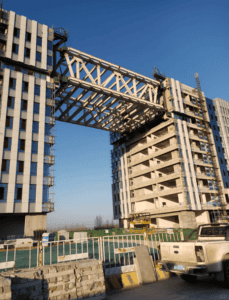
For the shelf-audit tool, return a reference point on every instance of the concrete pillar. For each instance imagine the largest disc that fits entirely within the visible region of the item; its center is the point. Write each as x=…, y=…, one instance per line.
x=181, y=198
x=173, y=141
x=125, y=224
x=202, y=217
x=175, y=154
x=187, y=219
x=35, y=222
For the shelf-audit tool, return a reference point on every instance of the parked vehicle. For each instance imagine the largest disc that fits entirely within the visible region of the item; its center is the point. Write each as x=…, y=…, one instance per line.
x=204, y=252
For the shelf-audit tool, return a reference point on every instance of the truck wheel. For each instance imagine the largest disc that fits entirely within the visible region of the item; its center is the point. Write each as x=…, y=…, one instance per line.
x=188, y=278
x=226, y=273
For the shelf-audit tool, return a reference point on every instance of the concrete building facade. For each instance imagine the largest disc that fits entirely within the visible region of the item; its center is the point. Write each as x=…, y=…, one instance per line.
x=168, y=168
x=218, y=110
x=27, y=122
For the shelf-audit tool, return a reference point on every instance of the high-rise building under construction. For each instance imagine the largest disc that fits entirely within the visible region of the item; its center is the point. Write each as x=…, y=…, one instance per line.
x=168, y=170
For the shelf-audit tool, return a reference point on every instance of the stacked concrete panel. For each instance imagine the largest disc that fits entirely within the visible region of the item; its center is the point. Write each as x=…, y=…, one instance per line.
x=73, y=280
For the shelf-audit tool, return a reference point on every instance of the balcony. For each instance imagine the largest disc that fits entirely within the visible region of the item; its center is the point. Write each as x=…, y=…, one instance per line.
x=50, y=102
x=2, y=53
x=3, y=37
x=48, y=181
x=50, y=139
x=4, y=21
x=48, y=207
x=50, y=120
x=49, y=159
x=50, y=85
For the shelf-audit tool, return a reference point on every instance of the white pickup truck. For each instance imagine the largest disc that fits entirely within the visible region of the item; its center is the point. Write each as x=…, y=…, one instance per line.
x=204, y=252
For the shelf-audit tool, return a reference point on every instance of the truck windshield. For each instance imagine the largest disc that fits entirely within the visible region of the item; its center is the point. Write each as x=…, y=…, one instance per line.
x=213, y=231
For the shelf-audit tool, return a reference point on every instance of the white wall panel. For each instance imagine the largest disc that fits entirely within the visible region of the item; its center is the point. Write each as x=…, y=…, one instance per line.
x=10, y=34
x=14, y=145
x=44, y=47
x=33, y=43
x=28, y=144
x=22, y=39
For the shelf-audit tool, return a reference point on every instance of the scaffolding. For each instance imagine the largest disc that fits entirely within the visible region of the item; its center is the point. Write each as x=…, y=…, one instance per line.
x=50, y=138
x=207, y=129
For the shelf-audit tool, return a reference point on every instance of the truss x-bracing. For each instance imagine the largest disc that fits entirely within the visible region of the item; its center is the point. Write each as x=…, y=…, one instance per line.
x=99, y=94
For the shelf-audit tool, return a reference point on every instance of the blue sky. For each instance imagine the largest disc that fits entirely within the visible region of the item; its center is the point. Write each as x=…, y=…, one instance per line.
x=178, y=37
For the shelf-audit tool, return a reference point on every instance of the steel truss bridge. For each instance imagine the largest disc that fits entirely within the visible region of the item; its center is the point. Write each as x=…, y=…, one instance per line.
x=95, y=93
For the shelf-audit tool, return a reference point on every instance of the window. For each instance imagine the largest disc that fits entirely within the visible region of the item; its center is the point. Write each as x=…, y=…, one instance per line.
x=35, y=127
x=47, y=150
x=25, y=86
x=5, y=166
x=213, y=107
x=18, y=193
x=220, y=139
x=219, y=149
x=46, y=170
x=12, y=83
x=10, y=102
x=9, y=122
x=32, y=193
x=28, y=37
x=216, y=118
x=7, y=143
x=163, y=204
x=218, y=128
x=38, y=56
x=27, y=53
x=33, y=170
x=49, y=45
x=16, y=32
x=214, y=127
x=212, y=117
x=39, y=41
x=34, y=147
x=48, y=111
x=15, y=48
x=3, y=192
x=36, y=108
x=48, y=129
x=21, y=145
x=224, y=173
x=24, y=105
x=209, y=105
x=223, y=150
x=23, y=124
x=20, y=167
x=49, y=60
x=48, y=93
x=37, y=90
x=45, y=194
x=216, y=138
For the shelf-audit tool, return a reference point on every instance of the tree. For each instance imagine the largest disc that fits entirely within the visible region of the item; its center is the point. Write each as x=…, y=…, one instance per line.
x=98, y=221
x=107, y=223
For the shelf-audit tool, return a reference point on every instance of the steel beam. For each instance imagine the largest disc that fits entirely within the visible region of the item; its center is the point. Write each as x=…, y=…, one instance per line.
x=118, y=99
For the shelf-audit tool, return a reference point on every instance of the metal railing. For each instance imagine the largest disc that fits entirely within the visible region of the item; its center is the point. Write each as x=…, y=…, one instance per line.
x=47, y=207
x=117, y=252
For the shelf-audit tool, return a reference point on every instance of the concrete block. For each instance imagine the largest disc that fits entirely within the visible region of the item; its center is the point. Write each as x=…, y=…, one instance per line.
x=145, y=269
x=63, y=235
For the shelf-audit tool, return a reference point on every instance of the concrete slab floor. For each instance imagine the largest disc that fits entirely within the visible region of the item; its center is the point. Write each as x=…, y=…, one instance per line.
x=174, y=288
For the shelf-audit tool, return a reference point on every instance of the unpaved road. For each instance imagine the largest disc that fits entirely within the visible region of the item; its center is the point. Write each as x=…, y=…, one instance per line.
x=175, y=289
